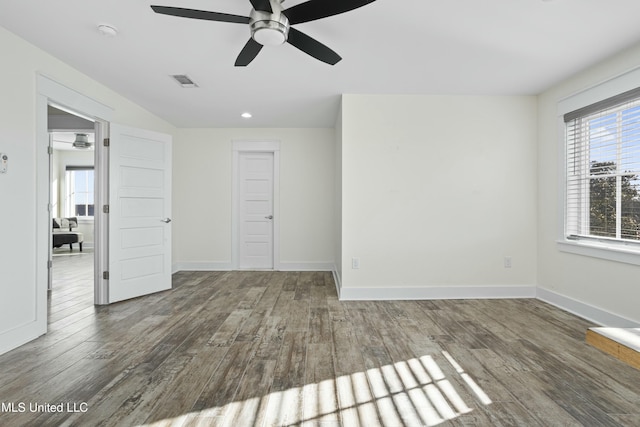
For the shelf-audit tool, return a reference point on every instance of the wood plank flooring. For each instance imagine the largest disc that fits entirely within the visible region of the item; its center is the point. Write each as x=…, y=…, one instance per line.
x=278, y=349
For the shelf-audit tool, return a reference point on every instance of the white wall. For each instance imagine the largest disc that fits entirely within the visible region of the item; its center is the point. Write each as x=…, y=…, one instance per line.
x=436, y=191
x=18, y=186
x=598, y=287
x=202, y=191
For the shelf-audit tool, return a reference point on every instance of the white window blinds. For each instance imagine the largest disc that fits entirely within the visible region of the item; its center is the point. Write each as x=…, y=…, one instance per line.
x=603, y=170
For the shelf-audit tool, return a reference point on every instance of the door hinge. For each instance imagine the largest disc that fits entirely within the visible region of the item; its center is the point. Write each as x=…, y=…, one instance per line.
x=50, y=150
x=105, y=209
x=49, y=264
x=105, y=275
x=106, y=142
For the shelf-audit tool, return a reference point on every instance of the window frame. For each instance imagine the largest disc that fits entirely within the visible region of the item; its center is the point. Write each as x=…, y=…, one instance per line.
x=583, y=170
x=625, y=251
x=69, y=207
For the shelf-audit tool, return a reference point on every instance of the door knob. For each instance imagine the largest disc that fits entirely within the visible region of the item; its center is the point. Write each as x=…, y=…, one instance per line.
x=269, y=217
x=166, y=220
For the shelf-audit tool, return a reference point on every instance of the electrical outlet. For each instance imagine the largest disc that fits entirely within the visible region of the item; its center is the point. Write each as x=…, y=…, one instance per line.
x=355, y=263
x=507, y=262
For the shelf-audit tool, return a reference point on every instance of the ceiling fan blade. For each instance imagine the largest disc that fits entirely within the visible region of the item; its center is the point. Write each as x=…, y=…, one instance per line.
x=248, y=53
x=312, y=47
x=200, y=14
x=317, y=9
x=262, y=5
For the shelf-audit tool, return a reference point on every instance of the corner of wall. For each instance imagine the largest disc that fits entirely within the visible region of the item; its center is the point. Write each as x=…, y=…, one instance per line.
x=337, y=279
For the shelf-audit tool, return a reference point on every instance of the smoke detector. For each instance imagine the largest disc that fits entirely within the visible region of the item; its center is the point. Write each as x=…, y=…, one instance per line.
x=107, y=30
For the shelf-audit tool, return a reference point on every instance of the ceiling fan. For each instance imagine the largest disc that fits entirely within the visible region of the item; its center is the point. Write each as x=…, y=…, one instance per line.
x=270, y=24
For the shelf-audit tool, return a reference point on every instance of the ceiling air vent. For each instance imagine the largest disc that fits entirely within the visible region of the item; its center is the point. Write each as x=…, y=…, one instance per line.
x=184, y=80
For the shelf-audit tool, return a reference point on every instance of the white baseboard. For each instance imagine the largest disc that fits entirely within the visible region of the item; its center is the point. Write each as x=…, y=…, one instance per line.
x=437, y=292
x=201, y=266
x=584, y=310
x=227, y=266
x=306, y=266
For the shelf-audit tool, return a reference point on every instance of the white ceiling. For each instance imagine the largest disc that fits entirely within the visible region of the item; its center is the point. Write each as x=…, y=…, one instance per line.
x=501, y=47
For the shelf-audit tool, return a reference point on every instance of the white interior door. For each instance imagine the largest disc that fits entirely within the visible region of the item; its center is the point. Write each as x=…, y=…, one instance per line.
x=256, y=210
x=140, y=212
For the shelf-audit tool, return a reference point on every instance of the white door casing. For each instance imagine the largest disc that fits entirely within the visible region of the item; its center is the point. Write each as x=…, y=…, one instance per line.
x=256, y=210
x=139, y=213
x=50, y=91
x=13, y=335
x=255, y=205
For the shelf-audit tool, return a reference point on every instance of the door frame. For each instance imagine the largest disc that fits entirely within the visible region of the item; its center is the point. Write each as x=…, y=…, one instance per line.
x=254, y=146
x=52, y=92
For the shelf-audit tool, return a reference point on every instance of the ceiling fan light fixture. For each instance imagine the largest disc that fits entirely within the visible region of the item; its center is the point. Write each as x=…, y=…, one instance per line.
x=81, y=141
x=269, y=24
x=269, y=29
x=269, y=33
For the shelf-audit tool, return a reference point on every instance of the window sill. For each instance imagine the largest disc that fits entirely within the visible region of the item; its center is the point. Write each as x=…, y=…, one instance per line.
x=601, y=250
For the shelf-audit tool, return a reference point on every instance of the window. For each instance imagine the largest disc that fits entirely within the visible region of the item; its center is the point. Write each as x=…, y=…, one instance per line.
x=603, y=171
x=79, y=191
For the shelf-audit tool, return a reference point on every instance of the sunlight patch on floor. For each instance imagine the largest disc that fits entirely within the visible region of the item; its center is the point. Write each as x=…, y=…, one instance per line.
x=415, y=392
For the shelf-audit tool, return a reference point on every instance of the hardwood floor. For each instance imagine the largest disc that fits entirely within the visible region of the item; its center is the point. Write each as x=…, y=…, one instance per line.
x=279, y=349
x=72, y=285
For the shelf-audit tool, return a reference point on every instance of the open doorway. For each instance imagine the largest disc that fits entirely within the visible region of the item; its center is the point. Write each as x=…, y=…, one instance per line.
x=112, y=262
x=132, y=240
x=72, y=207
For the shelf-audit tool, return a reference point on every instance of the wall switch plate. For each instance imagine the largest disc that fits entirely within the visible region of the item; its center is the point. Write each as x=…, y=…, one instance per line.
x=4, y=160
x=355, y=263
x=507, y=262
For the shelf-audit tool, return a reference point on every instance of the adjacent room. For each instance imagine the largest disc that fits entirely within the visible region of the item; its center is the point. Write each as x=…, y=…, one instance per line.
x=266, y=213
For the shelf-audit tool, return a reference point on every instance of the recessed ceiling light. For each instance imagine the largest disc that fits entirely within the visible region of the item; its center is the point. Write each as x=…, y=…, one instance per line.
x=246, y=115
x=107, y=30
